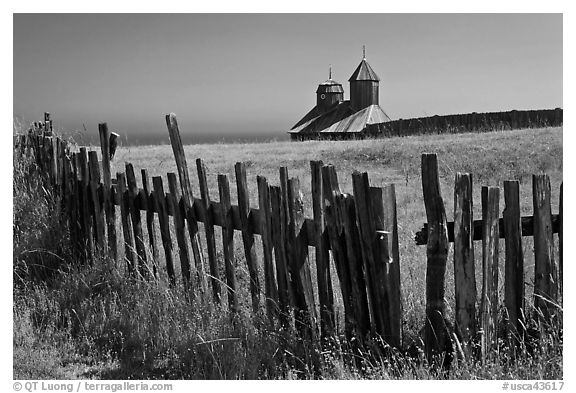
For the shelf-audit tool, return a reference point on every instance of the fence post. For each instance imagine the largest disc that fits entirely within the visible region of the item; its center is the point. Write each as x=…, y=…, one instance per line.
x=62, y=163
x=58, y=169
x=305, y=309
x=279, y=233
x=384, y=265
x=112, y=144
x=561, y=248
x=209, y=227
x=179, y=226
x=95, y=197
x=149, y=196
x=545, y=279
x=54, y=160
x=514, y=263
x=75, y=205
x=393, y=286
x=374, y=278
x=299, y=263
x=436, y=335
x=162, y=209
x=86, y=215
x=188, y=197
x=47, y=121
x=126, y=227
x=136, y=219
x=248, y=234
x=283, y=174
x=109, y=207
x=464, y=269
x=325, y=295
x=334, y=227
x=265, y=206
x=353, y=275
x=67, y=194
x=228, y=241
x=489, y=298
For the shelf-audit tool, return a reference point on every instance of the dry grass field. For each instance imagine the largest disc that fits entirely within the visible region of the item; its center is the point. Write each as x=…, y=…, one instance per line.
x=491, y=158
x=90, y=323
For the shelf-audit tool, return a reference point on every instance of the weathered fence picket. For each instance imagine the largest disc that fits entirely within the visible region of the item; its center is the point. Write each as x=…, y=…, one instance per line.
x=188, y=198
x=228, y=241
x=132, y=194
x=352, y=269
x=367, y=231
x=325, y=295
x=97, y=212
x=270, y=288
x=107, y=190
x=209, y=229
x=129, y=250
x=393, y=286
x=162, y=209
x=489, y=297
x=150, y=225
x=279, y=233
x=86, y=211
x=561, y=244
x=248, y=234
x=179, y=227
x=384, y=267
x=331, y=192
x=545, y=278
x=514, y=261
x=305, y=311
x=76, y=203
x=464, y=269
x=436, y=336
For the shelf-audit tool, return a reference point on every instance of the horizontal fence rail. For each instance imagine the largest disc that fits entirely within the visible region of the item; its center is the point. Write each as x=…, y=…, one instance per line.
x=355, y=237
x=526, y=226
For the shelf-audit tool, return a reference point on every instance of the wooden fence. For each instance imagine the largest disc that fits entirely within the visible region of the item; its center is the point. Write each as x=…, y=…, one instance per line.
x=472, y=322
x=357, y=235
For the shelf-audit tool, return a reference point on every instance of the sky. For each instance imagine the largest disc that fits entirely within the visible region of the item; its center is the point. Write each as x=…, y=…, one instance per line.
x=244, y=76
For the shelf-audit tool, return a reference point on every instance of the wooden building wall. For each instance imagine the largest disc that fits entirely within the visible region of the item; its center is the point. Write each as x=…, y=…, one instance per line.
x=363, y=94
x=329, y=99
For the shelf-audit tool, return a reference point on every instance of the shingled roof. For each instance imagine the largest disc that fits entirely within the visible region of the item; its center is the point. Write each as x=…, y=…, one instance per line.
x=357, y=122
x=340, y=119
x=330, y=86
x=364, y=73
x=315, y=121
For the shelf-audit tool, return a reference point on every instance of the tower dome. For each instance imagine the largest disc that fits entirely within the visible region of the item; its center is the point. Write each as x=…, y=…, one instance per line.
x=329, y=93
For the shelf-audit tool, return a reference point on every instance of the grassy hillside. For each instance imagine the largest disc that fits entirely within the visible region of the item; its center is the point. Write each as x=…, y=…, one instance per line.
x=490, y=157
x=163, y=349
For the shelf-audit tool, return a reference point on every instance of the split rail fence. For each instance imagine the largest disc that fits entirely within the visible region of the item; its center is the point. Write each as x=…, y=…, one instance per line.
x=357, y=235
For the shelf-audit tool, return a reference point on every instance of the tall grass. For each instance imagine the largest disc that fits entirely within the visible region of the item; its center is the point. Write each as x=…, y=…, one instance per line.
x=93, y=321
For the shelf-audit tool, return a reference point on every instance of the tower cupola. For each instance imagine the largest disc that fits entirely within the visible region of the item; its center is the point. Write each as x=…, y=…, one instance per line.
x=329, y=93
x=363, y=86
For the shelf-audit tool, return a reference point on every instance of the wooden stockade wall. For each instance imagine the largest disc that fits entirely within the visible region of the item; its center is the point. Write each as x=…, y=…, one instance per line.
x=357, y=235
x=447, y=124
